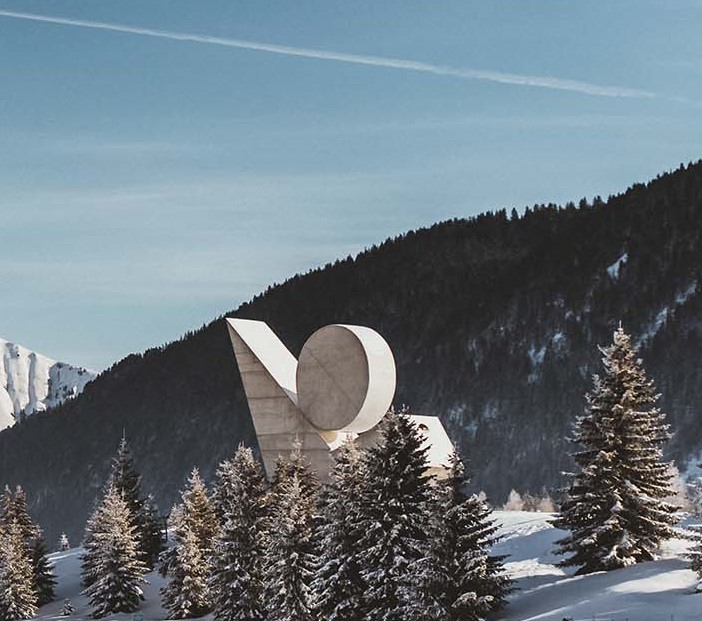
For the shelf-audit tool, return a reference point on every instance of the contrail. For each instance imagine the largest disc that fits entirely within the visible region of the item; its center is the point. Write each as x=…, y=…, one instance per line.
x=552, y=83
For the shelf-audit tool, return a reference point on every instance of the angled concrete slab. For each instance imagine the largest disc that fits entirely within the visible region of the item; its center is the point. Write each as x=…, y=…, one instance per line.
x=341, y=388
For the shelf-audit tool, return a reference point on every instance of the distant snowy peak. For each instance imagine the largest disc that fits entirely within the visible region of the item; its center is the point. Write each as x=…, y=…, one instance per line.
x=30, y=382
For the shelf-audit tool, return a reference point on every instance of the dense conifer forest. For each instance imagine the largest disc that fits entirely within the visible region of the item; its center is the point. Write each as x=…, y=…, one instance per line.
x=494, y=323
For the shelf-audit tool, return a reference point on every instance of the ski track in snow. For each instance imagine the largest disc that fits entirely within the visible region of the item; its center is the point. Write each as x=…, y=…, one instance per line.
x=654, y=591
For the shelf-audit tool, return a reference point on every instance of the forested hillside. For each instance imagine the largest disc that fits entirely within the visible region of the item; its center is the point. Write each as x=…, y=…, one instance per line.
x=494, y=322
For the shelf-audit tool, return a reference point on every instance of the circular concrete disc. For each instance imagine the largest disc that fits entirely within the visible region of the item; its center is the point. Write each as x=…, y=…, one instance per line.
x=345, y=378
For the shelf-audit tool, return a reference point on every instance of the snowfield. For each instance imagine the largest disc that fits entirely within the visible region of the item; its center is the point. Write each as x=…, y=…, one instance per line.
x=67, y=570
x=658, y=591
x=662, y=590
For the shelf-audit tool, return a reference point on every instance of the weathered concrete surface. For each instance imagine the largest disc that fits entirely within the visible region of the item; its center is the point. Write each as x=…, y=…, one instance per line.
x=345, y=378
x=341, y=388
x=268, y=376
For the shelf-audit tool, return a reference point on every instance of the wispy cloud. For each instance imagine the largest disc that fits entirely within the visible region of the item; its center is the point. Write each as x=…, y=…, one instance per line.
x=547, y=82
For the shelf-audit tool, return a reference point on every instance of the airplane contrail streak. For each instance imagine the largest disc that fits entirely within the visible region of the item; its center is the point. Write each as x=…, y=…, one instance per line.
x=547, y=82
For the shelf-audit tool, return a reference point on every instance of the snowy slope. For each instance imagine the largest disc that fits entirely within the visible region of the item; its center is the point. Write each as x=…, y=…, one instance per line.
x=657, y=591
x=67, y=570
x=30, y=382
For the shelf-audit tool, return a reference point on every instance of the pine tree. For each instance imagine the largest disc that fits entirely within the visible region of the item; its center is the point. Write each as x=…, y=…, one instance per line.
x=67, y=610
x=290, y=559
x=19, y=514
x=338, y=586
x=695, y=557
x=44, y=581
x=394, y=525
x=296, y=464
x=466, y=583
x=223, y=492
x=88, y=570
x=199, y=512
x=114, y=557
x=6, y=506
x=194, y=525
x=167, y=557
x=237, y=574
x=127, y=481
x=17, y=597
x=615, y=507
x=186, y=595
x=16, y=512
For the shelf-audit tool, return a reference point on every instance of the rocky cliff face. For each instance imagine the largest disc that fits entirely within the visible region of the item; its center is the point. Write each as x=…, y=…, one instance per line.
x=30, y=382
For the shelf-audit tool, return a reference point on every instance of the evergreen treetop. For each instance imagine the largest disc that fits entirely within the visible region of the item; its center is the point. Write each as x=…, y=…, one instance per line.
x=15, y=517
x=125, y=479
x=338, y=586
x=239, y=547
x=114, y=558
x=198, y=512
x=394, y=521
x=465, y=581
x=616, y=508
x=19, y=514
x=194, y=525
x=44, y=581
x=18, y=599
x=290, y=557
x=186, y=595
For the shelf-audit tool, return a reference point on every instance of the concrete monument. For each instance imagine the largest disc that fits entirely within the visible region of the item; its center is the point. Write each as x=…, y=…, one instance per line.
x=342, y=386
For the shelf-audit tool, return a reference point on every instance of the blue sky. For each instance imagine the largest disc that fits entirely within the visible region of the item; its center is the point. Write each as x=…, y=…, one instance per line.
x=149, y=184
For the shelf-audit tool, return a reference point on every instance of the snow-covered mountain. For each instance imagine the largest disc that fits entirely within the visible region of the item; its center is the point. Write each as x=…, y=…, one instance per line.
x=30, y=382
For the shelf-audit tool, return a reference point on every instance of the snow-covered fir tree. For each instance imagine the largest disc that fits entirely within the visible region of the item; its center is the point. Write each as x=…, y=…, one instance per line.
x=167, y=557
x=88, y=571
x=515, y=502
x=222, y=491
x=186, y=595
x=338, y=587
x=18, y=599
x=199, y=512
x=290, y=559
x=297, y=464
x=394, y=524
x=125, y=478
x=465, y=582
x=63, y=543
x=6, y=506
x=16, y=512
x=67, y=609
x=44, y=581
x=114, y=558
x=193, y=526
x=695, y=555
x=19, y=515
x=236, y=581
x=615, y=509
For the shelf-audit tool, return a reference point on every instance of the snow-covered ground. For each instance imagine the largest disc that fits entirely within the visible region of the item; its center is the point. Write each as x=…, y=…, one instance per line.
x=659, y=591
x=67, y=570
x=662, y=590
x=30, y=382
